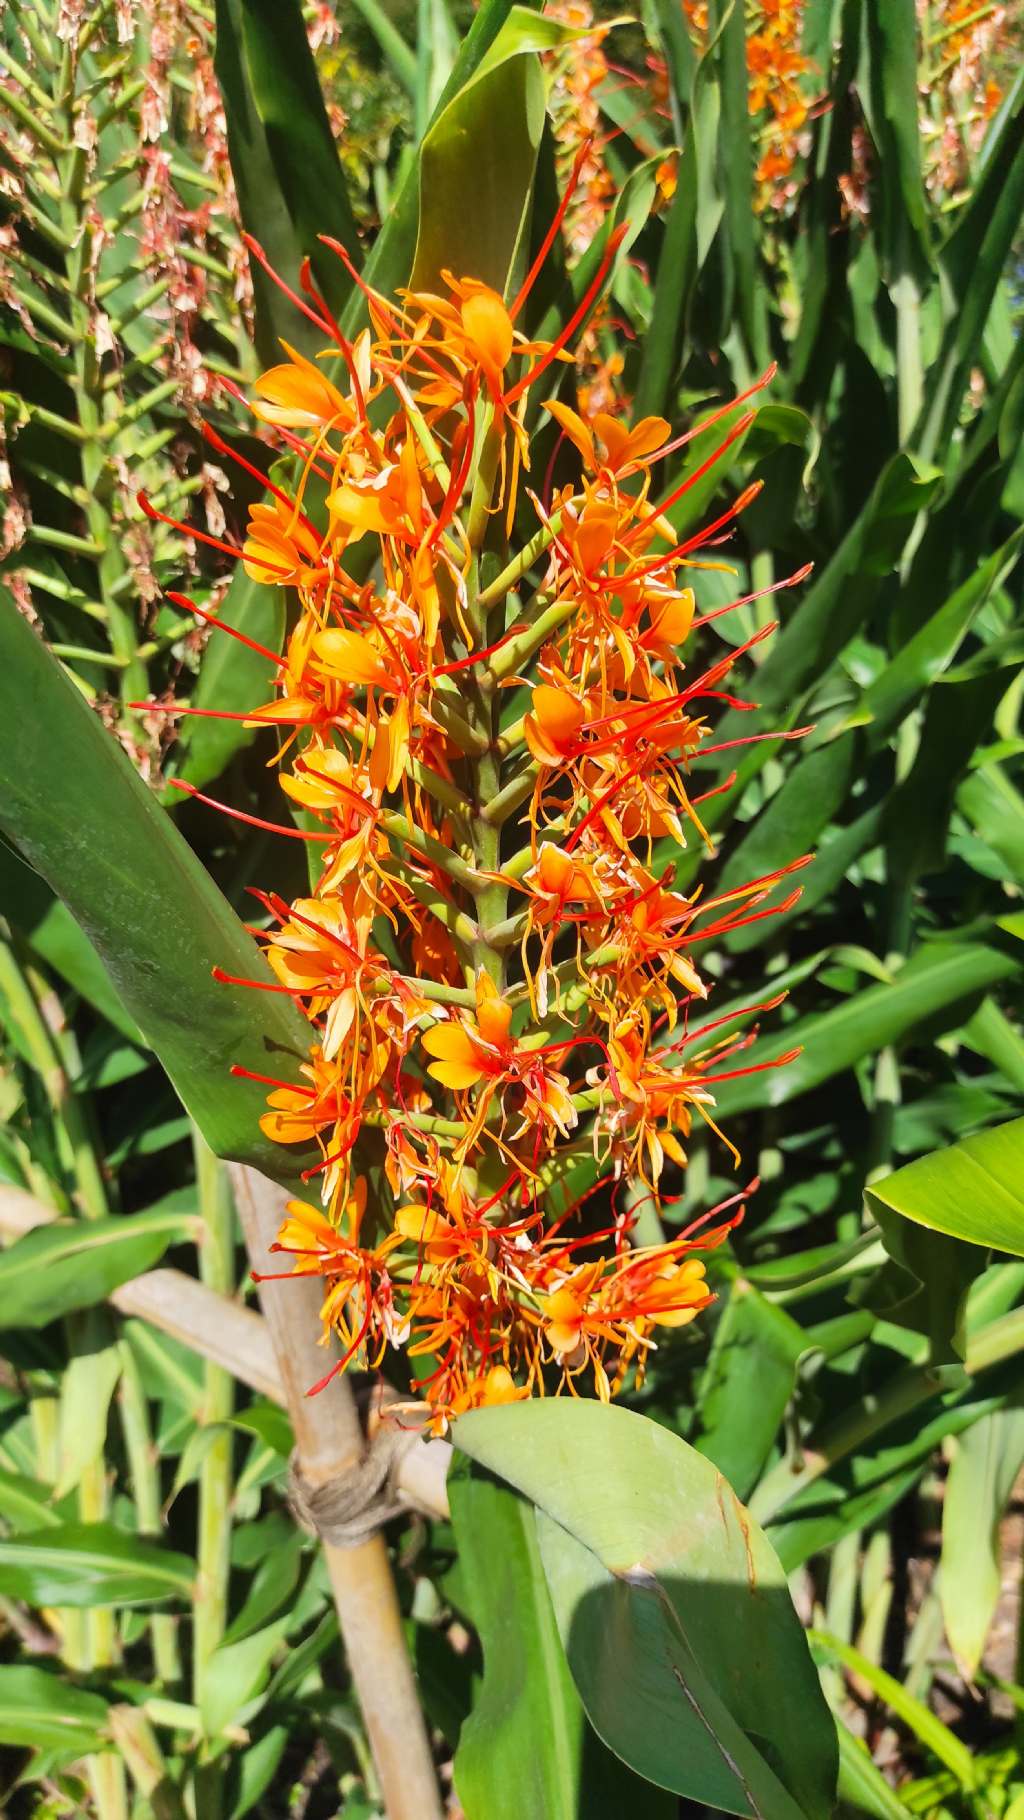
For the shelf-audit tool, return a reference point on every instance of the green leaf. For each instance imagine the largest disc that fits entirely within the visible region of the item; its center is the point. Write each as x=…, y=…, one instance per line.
x=973, y=262
x=86, y=1564
x=287, y=172
x=923, y=1288
x=751, y=1376
x=842, y=596
x=991, y=1034
x=270, y=1423
x=273, y=1585
x=932, y=649
x=995, y=810
x=401, y=58
x=673, y=1609
x=54, y=936
x=67, y=1264
x=391, y=259
x=437, y=44
x=735, y=177
x=863, y=1790
x=891, y=102
x=973, y=1191
x=253, y=1770
x=981, y=1478
x=524, y=1752
x=232, y=678
x=235, y=1675
x=41, y=1711
x=693, y=215
x=86, y=1389
x=478, y=159
x=957, y=717
x=930, y=1730
x=25, y=1503
x=938, y=983
x=87, y=823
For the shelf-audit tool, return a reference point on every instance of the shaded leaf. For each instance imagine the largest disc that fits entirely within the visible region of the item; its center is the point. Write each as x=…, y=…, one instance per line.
x=524, y=1752
x=390, y=262
x=231, y=678
x=862, y=1788
x=87, y=823
x=235, y=1675
x=942, y=978
x=87, y=1387
x=477, y=161
x=672, y=1607
x=751, y=1375
x=285, y=165
x=55, y=937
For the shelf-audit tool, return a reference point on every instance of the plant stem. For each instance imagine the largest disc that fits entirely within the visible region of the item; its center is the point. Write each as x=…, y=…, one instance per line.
x=217, y=1271
x=145, y=1477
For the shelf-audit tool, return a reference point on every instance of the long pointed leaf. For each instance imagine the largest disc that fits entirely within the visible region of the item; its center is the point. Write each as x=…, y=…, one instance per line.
x=80, y=815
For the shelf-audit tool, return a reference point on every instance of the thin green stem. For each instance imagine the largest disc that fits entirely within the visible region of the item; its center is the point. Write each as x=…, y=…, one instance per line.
x=522, y=564
x=210, y=1604
x=514, y=655
x=909, y=367
x=143, y=1465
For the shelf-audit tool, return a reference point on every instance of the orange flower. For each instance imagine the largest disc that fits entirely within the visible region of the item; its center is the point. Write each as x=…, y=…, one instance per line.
x=280, y=548
x=299, y=396
x=481, y=747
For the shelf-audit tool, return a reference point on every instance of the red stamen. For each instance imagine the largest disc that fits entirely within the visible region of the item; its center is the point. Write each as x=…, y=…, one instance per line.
x=288, y=437
x=215, y=543
x=372, y=297
x=239, y=815
x=734, y=1074
x=739, y=429
x=268, y=1080
x=549, y=239
x=716, y=790
x=723, y=410
x=751, y=739
x=177, y=707
x=224, y=448
x=254, y=247
x=476, y=657
x=791, y=581
x=729, y=923
x=592, y=292
x=233, y=979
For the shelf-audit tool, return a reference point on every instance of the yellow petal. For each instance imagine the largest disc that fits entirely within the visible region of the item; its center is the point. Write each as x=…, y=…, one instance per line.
x=450, y=1042
x=488, y=326
x=458, y=1075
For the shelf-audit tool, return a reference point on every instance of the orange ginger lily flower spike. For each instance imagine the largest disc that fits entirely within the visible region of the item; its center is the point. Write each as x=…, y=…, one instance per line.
x=460, y=734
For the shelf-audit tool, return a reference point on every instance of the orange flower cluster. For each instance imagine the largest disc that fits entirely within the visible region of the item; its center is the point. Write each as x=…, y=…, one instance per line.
x=486, y=722
x=777, y=75
x=966, y=47
x=579, y=67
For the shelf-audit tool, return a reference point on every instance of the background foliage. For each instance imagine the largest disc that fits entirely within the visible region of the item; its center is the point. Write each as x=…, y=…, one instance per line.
x=837, y=186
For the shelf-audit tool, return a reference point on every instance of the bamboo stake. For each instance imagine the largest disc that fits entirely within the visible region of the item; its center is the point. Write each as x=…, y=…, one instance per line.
x=329, y=1443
